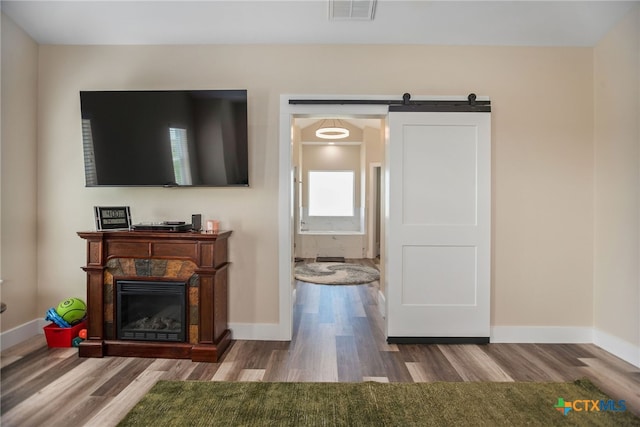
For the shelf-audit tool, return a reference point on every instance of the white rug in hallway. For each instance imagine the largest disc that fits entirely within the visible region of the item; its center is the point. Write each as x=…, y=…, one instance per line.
x=336, y=273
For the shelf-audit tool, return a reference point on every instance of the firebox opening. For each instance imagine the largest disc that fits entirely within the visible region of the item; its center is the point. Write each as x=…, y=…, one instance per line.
x=151, y=310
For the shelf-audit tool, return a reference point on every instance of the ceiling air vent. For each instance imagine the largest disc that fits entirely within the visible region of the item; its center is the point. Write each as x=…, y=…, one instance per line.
x=352, y=10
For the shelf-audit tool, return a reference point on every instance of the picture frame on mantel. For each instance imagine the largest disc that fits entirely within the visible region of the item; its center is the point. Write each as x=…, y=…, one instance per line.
x=112, y=218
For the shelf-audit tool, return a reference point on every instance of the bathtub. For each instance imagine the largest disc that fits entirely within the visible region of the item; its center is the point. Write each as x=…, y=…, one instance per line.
x=330, y=233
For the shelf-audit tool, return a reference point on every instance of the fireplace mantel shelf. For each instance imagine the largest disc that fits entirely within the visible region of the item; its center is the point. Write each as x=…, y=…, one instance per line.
x=208, y=255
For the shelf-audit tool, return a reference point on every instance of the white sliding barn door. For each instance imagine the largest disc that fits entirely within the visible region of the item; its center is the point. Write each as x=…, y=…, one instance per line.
x=438, y=166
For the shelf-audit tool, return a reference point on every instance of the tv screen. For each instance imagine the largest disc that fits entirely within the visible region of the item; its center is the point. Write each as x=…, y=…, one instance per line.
x=174, y=138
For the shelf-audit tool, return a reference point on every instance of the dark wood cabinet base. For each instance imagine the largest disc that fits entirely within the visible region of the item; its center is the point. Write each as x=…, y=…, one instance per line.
x=197, y=259
x=91, y=348
x=211, y=352
x=196, y=352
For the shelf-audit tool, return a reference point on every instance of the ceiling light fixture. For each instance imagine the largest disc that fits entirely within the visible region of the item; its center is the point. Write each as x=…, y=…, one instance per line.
x=332, y=129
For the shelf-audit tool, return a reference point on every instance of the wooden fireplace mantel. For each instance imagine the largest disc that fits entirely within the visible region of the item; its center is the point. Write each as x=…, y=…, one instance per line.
x=209, y=254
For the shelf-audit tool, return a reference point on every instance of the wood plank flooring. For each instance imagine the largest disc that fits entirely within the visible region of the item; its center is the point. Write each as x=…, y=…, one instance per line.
x=338, y=336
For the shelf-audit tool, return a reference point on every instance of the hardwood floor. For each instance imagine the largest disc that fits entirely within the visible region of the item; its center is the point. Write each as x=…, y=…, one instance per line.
x=338, y=336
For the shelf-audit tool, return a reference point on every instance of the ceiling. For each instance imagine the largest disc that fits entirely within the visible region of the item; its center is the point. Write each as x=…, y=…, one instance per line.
x=512, y=23
x=444, y=22
x=360, y=122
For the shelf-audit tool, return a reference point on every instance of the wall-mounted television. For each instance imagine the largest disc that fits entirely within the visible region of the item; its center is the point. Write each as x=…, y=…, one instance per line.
x=170, y=138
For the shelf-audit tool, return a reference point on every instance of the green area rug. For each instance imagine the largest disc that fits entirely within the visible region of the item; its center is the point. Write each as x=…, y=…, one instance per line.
x=196, y=403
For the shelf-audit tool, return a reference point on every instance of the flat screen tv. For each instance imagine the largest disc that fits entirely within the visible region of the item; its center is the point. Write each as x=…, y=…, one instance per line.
x=172, y=138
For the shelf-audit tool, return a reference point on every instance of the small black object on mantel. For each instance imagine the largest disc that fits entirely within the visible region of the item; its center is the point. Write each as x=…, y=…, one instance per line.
x=196, y=222
x=167, y=226
x=112, y=218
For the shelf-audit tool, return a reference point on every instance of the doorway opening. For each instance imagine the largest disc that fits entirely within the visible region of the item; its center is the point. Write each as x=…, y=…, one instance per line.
x=407, y=123
x=364, y=121
x=336, y=188
x=375, y=208
x=333, y=212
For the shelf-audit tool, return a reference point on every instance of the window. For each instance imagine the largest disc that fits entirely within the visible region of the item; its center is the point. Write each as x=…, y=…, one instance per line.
x=331, y=193
x=180, y=155
x=90, y=174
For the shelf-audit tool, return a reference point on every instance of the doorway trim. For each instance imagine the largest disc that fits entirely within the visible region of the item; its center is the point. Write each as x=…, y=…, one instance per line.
x=352, y=105
x=371, y=208
x=286, y=182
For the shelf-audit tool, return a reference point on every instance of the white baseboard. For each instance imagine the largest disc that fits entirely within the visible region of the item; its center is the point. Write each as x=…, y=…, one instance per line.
x=21, y=333
x=499, y=334
x=258, y=331
x=617, y=346
x=542, y=334
x=240, y=331
x=382, y=304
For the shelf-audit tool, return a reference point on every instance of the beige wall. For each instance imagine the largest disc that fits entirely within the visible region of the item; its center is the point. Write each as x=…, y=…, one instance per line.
x=542, y=158
x=18, y=177
x=374, y=153
x=542, y=145
x=617, y=182
x=374, y=139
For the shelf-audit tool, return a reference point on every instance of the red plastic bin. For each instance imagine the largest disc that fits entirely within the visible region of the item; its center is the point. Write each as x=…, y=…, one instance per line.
x=62, y=337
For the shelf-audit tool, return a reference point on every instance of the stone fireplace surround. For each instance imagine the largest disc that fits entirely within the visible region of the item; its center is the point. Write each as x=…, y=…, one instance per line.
x=142, y=269
x=197, y=259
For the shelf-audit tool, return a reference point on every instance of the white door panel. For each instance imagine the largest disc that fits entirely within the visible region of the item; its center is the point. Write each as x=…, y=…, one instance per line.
x=438, y=215
x=439, y=275
x=445, y=158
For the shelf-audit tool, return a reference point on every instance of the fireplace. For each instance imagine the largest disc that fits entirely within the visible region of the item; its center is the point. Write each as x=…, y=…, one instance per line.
x=156, y=294
x=150, y=310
